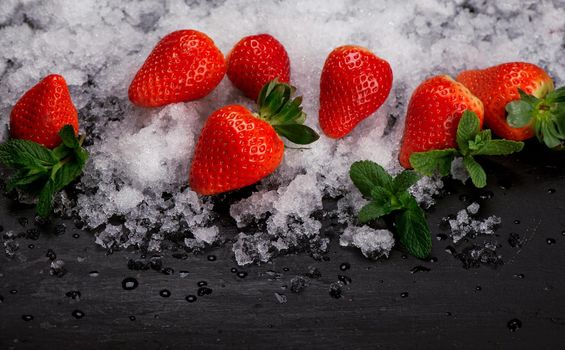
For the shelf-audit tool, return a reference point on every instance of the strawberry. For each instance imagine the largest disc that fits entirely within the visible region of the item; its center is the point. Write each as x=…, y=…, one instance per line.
x=353, y=85
x=42, y=112
x=520, y=101
x=185, y=65
x=237, y=148
x=256, y=60
x=433, y=115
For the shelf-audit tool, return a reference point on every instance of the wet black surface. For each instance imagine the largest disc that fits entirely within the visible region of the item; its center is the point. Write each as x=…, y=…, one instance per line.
x=204, y=302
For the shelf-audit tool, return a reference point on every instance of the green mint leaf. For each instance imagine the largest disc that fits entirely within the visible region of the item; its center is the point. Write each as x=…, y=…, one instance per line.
x=373, y=211
x=26, y=154
x=45, y=199
x=430, y=162
x=468, y=127
x=67, y=134
x=367, y=175
x=413, y=232
x=404, y=180
x=520, y=113
x=476, y=172
x=25, y=177
x=407, y=201
x=297, y=133
x=499, y=148
x=381, y=195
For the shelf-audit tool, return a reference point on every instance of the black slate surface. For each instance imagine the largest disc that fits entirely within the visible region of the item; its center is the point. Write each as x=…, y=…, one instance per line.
x=446, y=307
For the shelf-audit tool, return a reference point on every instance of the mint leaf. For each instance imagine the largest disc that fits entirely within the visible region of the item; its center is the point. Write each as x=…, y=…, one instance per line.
x=373, y=211
x=45, y=199
x=25, y=154
x=469, y=126
x=297, y=133
x=413, y=232
x=367, y=175
x=430, y=162
x=67, y=134
x=404, y=180
x=520, y=113
x=476, y=172
x=381, y=195
x=499, y=148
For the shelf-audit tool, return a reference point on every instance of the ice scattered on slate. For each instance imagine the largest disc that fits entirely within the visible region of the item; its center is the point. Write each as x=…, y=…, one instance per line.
x=133, y=191
x=425, y=191
x=373, y=243
x=458, y=170
x=466, y=225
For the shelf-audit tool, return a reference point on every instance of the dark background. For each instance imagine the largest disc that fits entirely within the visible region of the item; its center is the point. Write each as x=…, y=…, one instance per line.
x=446, y=307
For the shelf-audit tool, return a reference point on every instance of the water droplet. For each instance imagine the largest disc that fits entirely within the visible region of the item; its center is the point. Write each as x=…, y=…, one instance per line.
x=233, y=270
x=519, y=276
x=514, y=324
x=441, y=237
x=242, y=274
x=132, y=318
x=404, y=256
x=211, y=258
x=281, y=298
x=202, y=291
x=73, y=294
x=404, y=295
x=286, y=269
x=550, y=190
x=563, y=233
x=78, y=314
x=13, y=291
x=449, y=249
x=183, y=274
x=433, y=259
x=93, y=273
x=27, y=318
x=344, y=279
x=51, y=254
x=76, y=235
x=31, y=246
x=167, y=271
x=478, y=288
x=344, y=266
x=165, y=293
x=190, y=298
x=486, y=194
x=550, y=241
x=419, y=268
x=516, y=222
x=202, y=283
x=129, y=283
x=448, y=313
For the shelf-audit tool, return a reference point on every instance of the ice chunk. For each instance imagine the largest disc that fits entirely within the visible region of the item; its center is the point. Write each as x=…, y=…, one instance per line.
x=425, y=190
x=465, y=225
x=373, y=243
x=458, y=170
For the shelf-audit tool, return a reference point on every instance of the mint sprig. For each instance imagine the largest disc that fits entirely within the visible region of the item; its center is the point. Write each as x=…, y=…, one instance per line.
x=471, y=142
x=546, y=115
x=389, y=197
x=42, y=172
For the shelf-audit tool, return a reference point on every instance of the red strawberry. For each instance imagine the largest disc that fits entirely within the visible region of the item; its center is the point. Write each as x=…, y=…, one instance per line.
x=237, y=148
x=433, y=116
x=498, y=86
x=185, y=65
x=354, y=84
x=42, y=112
x=256, y=60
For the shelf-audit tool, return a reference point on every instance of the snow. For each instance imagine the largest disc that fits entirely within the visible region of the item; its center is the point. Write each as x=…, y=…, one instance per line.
x=372, y=243
x=134, y=191
x=458, y=170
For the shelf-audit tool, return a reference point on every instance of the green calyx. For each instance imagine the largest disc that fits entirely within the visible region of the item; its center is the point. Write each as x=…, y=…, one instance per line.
x=471, y=142
x=389, y=197
x=546, y=116
x=284, y=113
x=42, y=172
